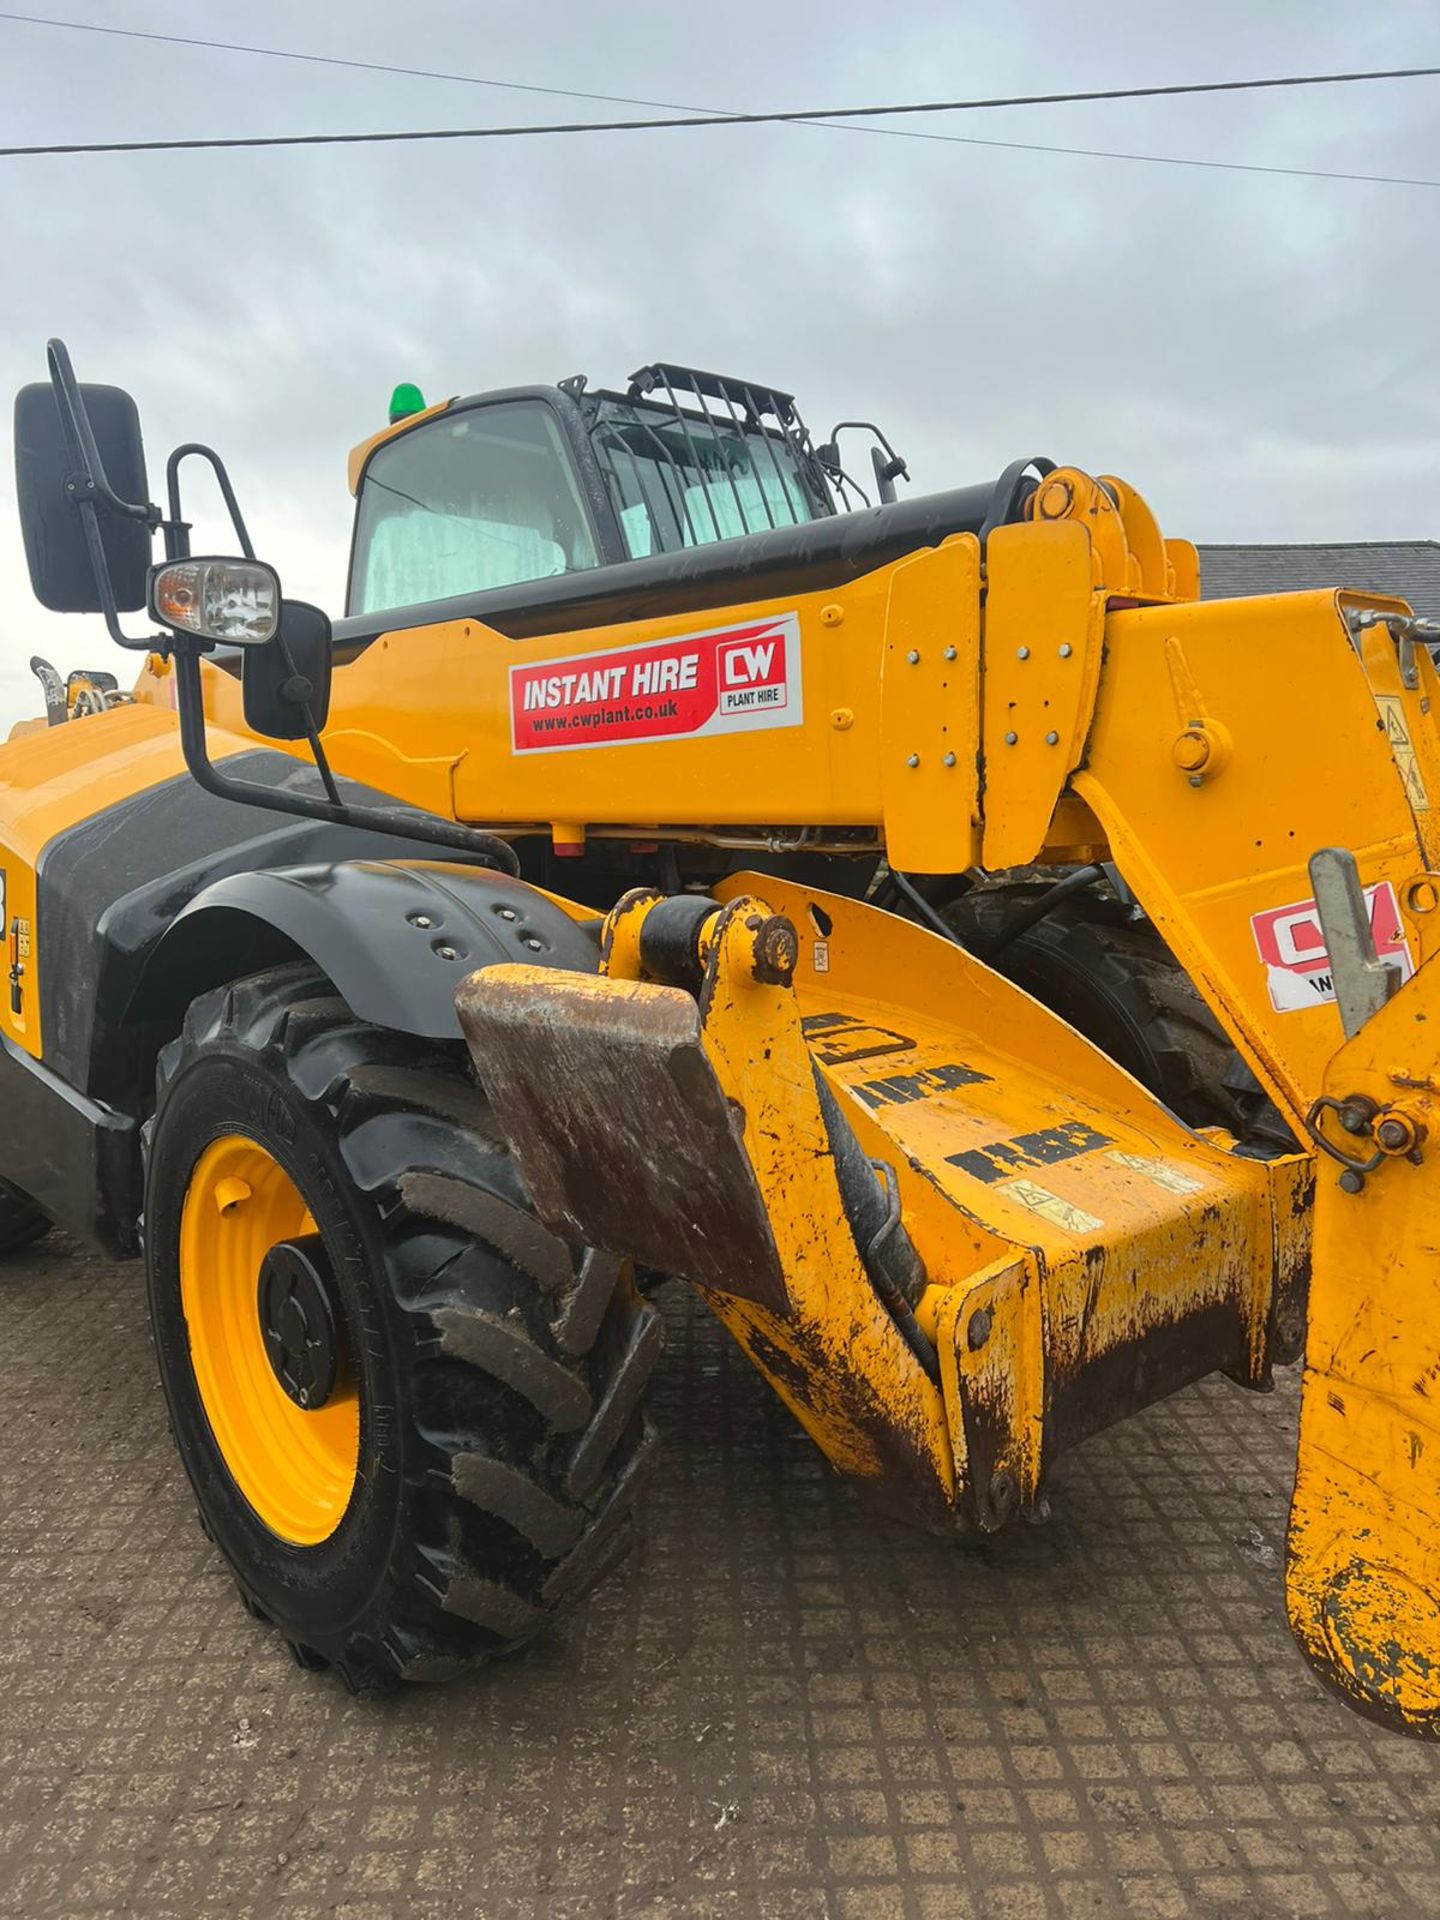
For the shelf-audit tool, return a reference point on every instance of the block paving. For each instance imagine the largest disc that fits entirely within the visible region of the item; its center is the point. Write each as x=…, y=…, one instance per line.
x=782, y=1709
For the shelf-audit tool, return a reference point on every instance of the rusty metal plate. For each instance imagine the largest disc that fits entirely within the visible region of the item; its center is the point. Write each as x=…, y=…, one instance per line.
x=622, y=1133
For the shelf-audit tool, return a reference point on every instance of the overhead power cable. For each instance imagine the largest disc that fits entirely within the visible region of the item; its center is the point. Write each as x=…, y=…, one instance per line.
x=685, y=107
x=1183, y=160
x=734, y=120
x=700, y=115
x=341, y=60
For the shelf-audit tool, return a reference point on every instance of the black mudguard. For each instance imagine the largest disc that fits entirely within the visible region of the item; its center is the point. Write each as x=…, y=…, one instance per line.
x=396, y=937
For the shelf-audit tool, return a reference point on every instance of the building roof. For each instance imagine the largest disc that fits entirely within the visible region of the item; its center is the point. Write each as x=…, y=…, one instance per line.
x=1407, y=568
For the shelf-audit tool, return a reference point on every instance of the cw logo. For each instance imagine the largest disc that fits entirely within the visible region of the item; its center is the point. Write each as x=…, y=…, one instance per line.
x=748, y=666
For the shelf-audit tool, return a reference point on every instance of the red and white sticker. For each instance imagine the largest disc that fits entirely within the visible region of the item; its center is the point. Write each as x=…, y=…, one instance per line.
x=726, y=680
x=1292, y=948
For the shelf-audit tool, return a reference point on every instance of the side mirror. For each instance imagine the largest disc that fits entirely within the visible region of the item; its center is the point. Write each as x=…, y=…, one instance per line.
x=47, y=484
x=286, y=684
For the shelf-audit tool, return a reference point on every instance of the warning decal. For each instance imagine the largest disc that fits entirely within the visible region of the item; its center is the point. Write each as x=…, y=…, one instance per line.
x=726, y=680
x=1049, y=1206
x=1159, y=1171
x=1392, y=712
x=1292, y=948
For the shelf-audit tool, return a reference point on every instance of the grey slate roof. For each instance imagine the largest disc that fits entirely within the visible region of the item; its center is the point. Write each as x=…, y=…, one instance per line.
x=1409, y=568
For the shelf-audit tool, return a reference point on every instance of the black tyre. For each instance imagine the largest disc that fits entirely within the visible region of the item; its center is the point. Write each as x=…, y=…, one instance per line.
x=1114, y=980
x=410, y=1414
x=21, y=1221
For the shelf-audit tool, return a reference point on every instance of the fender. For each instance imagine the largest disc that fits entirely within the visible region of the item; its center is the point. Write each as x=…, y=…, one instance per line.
x=111, y=886
x=396, y=937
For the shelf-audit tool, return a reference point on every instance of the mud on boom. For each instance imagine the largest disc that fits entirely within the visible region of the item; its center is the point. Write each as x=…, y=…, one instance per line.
x=995, y=980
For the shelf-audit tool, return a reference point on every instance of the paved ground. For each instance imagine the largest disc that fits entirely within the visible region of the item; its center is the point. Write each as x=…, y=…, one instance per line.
x=781, y=1710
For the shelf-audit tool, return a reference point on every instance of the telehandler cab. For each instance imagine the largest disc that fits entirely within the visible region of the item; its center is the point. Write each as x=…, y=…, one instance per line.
x=994, y=979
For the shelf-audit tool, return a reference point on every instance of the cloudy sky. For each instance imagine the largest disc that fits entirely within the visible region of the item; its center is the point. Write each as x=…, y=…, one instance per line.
x=1258, y=354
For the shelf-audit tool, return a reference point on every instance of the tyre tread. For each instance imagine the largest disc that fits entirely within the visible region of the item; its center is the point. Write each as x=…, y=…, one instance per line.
x=523, y=1361
x=1135, y=986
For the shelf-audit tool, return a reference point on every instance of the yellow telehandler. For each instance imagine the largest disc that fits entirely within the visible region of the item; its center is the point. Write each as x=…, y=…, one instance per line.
x=994, y=979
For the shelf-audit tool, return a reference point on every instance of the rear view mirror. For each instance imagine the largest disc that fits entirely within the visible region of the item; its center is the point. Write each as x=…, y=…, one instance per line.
x=46, y=483
x=289, y=675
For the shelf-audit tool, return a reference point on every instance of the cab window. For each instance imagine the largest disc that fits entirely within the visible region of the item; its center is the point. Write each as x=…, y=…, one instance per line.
x=472, y=500
x=680, y=479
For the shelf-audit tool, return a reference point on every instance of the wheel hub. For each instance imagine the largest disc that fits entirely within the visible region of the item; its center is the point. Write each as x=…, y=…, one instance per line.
x=298, y=1319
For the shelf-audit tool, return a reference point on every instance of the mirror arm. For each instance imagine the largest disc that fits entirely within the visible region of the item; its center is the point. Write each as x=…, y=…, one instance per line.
x=176, y=529
x=429, y=827
x=100, y=566
x=80, y=440
x=89, y=489
x=869, y=426
x=312, y=732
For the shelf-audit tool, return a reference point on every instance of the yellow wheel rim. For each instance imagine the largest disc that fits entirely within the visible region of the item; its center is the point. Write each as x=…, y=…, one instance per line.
x=296, y=1468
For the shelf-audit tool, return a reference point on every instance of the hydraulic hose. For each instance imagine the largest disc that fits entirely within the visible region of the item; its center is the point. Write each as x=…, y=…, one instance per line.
x=871, y=1198
x=1035, y=911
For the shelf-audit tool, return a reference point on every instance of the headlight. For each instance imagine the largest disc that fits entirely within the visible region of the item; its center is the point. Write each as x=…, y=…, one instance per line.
x=236, y=602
